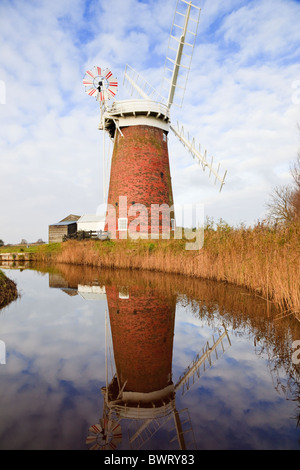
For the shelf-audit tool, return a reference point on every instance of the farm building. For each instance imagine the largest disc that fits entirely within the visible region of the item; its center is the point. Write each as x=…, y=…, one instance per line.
x=66, y=226
x=91, y=222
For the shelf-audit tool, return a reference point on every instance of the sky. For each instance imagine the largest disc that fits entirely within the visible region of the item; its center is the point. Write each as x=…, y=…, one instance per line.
x=242, y=103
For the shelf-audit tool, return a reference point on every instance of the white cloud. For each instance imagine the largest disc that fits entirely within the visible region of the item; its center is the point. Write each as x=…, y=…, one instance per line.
x=239, y=102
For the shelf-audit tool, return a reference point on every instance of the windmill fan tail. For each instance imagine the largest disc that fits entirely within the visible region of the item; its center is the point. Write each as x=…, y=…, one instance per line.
x=100, y=83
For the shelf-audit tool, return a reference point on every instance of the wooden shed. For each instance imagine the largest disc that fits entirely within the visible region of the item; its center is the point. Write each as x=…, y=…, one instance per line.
x=66, y=226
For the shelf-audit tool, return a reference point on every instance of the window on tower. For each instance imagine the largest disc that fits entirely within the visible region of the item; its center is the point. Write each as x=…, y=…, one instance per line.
x=122, y=224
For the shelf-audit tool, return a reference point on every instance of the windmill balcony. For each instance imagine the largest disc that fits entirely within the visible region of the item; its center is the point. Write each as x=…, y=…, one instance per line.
x=133, y=112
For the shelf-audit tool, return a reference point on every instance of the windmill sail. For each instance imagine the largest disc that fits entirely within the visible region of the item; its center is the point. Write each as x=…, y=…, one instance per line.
x=138, y=85
x=190, y=145
x=180, y=50
x=211, y=352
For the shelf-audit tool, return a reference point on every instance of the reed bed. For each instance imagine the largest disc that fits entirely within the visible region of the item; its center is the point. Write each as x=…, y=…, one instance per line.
x=265, y=260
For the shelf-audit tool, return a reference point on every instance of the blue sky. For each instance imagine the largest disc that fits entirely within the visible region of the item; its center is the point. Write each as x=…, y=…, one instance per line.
x=242, y=103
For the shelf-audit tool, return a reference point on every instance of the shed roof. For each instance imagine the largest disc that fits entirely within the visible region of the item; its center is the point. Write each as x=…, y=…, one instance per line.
x=71, y=217
x=92, y=218
x=66, y=222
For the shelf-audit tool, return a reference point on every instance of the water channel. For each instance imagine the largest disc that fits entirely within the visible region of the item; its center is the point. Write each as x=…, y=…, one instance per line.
x=156, y=362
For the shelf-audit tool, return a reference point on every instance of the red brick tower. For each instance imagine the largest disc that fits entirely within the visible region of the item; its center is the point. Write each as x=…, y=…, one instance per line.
x=140, y=180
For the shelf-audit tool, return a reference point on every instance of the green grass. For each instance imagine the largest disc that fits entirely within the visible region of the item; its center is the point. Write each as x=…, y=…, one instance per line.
x=45, y=248
x=18, y=249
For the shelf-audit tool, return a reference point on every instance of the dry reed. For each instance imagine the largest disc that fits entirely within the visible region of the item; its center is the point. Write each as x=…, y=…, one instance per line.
x=263, y=259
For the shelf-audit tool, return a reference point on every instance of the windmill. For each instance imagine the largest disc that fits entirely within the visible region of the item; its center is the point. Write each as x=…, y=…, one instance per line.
x=140, y=178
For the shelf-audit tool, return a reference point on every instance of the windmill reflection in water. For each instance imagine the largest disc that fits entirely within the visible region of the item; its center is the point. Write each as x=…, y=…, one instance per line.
x=140, y=389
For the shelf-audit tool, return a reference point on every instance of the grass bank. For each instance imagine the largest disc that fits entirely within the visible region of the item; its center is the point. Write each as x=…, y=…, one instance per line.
x=263, y=259
x=8, y=290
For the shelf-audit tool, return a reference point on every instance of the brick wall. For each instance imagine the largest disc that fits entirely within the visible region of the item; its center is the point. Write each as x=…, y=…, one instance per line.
x=140, y=171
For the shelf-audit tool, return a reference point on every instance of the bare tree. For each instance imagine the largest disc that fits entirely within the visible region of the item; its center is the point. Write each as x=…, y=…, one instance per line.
x=284, y=204
x=295, y=171
x=280, y=207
